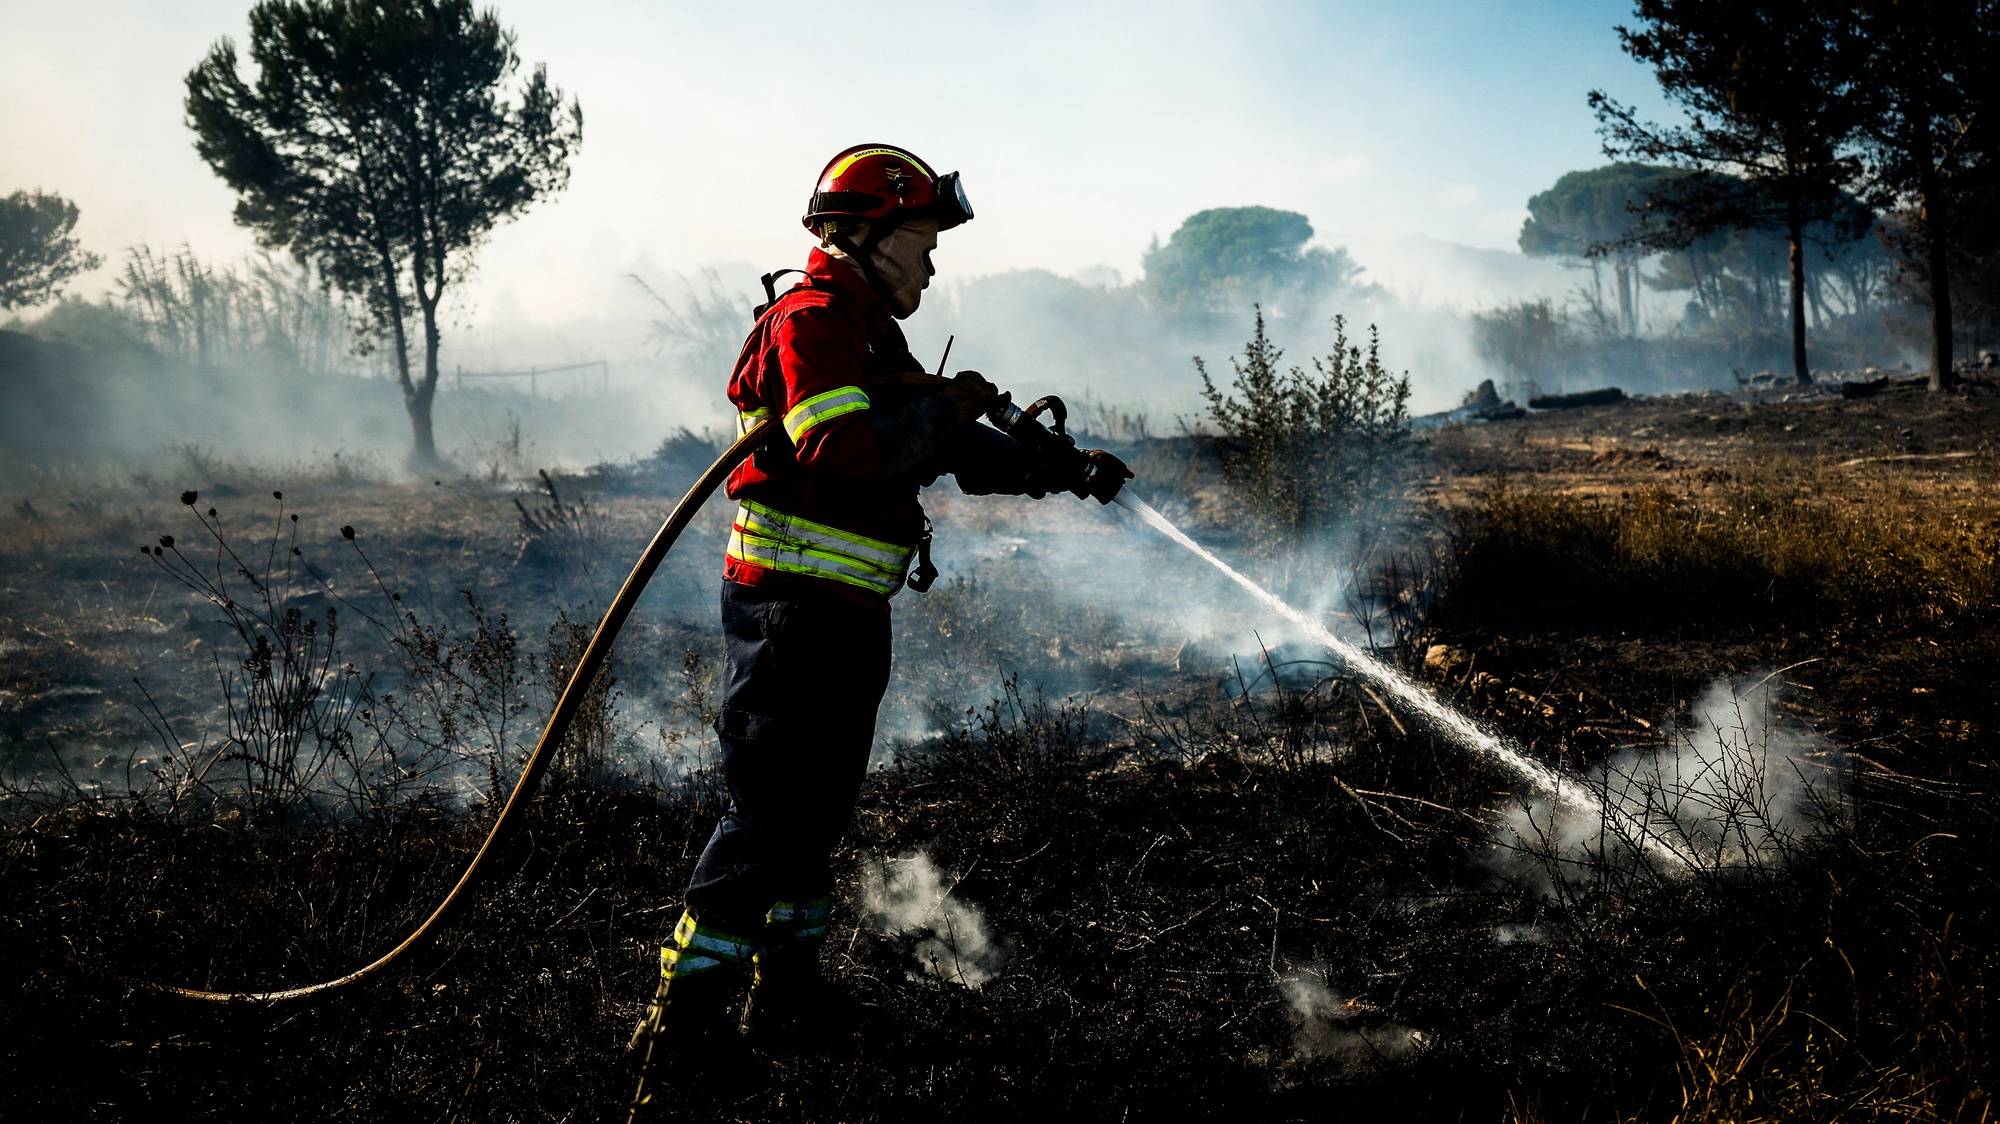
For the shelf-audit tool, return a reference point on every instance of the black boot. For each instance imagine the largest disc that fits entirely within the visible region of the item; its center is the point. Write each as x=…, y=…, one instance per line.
x=690, y=1033
x=794, y=1008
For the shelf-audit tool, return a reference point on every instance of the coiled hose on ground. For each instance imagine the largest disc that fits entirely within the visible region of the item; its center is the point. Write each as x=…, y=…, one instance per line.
x=545, y=747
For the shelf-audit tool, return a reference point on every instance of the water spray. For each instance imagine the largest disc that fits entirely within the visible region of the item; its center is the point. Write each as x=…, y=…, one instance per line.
x=1452, y=724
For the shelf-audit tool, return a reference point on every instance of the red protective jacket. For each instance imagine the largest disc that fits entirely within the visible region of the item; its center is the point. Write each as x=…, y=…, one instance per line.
x=833, y=504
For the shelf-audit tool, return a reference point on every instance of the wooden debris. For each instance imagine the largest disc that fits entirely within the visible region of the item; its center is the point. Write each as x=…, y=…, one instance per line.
x=1604, y=396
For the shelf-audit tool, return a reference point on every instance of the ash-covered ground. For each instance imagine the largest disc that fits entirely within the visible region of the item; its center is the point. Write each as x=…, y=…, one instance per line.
x=1131, y=847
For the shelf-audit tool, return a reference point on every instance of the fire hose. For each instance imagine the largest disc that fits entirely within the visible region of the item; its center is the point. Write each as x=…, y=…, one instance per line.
x=538, y=760
x=1022, y=424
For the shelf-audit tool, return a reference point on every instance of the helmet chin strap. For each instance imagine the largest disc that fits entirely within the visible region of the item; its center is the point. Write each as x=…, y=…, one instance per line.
x=863, y=254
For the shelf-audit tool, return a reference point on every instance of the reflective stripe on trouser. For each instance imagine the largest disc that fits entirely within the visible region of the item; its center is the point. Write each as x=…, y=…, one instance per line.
x=823, y=408
x=792, y=931
x=697, y=949
x=764, y=536
x=795, y=923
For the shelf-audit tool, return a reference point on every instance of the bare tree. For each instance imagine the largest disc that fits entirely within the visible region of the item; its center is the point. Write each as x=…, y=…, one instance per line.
x=704, y=322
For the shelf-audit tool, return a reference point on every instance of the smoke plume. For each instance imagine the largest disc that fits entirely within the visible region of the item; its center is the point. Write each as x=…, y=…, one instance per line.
x=1734, y=783
x=1350, y=1031
x=910, y=900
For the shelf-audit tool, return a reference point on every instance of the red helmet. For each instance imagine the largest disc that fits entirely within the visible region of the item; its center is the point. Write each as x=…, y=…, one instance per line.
x=874, y=182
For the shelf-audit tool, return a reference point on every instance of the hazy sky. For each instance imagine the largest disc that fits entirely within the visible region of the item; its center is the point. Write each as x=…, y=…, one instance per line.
x=1082, y=130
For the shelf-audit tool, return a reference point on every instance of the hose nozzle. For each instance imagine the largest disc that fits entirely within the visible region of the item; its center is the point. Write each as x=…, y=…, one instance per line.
x=1093, y=473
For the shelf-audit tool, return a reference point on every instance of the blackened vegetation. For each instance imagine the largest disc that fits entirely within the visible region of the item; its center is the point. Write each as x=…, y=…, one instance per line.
x=1245, y=890
x=560, y=534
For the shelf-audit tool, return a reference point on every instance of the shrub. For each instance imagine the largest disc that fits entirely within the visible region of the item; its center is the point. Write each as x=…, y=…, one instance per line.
x=586, y=747
x=1302, y=450
x=564, y=536
x=1526, y=339
x=339, y=700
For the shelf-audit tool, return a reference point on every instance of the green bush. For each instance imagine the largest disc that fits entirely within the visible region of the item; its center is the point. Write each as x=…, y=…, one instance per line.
x=1305, y=450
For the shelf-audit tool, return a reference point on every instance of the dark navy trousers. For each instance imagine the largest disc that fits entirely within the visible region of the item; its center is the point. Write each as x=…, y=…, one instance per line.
x=803, y=674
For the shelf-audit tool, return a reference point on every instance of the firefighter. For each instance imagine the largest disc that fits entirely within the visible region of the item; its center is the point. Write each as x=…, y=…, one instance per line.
x=826, y=528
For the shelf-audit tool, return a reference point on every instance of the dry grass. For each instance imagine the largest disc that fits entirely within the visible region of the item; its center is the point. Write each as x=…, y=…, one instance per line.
x=1784, y=543
x=1855, y=988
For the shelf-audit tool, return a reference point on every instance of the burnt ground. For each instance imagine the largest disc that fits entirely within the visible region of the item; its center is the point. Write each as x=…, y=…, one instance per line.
x=1189, y=876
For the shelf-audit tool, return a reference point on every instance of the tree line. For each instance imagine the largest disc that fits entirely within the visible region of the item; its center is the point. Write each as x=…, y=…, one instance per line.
x=1803, y=119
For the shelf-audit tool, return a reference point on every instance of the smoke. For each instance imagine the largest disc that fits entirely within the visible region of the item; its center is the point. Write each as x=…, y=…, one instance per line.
x=1035, y=332
x=130, y=412
x=910, y=900
x=1090, y=335
x=102, y=386
x=1733, y=783
x=1094, y=334
x=1349, y=1031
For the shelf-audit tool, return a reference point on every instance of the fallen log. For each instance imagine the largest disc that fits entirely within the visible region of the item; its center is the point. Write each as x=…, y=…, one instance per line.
x=1867, y=389
x=1601, y=397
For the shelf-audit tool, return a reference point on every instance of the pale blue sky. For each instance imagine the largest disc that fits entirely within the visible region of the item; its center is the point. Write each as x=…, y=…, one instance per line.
x=1082, y=129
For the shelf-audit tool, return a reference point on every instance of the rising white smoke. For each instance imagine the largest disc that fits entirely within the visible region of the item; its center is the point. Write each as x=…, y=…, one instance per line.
x=908, y=898
x=1733, y=783
x=1326, y=1025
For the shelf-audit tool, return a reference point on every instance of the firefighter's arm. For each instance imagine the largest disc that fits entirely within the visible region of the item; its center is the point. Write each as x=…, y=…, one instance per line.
x=832, y=421
x=907, y=433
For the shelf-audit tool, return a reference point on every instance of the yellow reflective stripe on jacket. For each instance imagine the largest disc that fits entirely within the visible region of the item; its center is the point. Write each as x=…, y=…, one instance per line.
x=791, y=559
x=765, y=536
x=772, y=523
x=747, y=418
x=823, y=407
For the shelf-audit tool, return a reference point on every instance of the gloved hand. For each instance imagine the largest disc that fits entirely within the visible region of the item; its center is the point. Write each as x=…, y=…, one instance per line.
x=1084, y=473
x=1102, y=476
x=970, y=394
